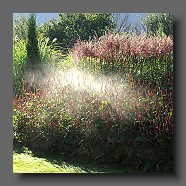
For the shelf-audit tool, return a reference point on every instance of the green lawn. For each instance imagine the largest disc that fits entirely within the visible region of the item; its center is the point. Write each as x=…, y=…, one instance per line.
x=24, y=161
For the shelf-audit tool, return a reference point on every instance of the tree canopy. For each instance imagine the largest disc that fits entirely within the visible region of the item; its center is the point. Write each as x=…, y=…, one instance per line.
x=159, y=22
x=72, y=26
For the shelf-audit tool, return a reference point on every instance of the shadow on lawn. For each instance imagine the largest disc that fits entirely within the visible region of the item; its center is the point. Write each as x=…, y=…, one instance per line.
x=67, y=161
x=80, y=164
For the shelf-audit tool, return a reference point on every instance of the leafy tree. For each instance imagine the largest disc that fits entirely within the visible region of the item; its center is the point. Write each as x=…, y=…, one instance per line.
x=70, y=27
x=33, y=56
x=20, y=26
x=159, y=23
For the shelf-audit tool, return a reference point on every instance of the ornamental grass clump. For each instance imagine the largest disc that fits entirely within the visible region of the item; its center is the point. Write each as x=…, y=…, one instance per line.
x=144, y=57
x=113, y=45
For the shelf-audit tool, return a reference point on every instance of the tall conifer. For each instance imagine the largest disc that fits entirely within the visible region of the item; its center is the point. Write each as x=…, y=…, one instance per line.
x=33, y=55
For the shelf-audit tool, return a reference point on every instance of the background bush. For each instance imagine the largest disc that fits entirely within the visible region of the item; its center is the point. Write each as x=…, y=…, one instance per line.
x=70, y=27
x=159, y=23
x=20, y=26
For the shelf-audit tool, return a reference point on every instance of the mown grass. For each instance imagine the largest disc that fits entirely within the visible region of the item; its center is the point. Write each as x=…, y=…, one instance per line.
x=26, y=161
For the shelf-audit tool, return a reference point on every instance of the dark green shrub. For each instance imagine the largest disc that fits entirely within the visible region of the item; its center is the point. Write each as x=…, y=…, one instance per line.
x=32, y=48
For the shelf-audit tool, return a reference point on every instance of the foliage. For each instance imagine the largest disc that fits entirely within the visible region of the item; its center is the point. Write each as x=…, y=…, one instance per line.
x=48, y=56
x=123, y=117
x=33, y=56
x=19, y=64
x=47, y=52
x=159, y=23
x=20, y=27
x=146, y=58
x=70, y=27
x=134, y=133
